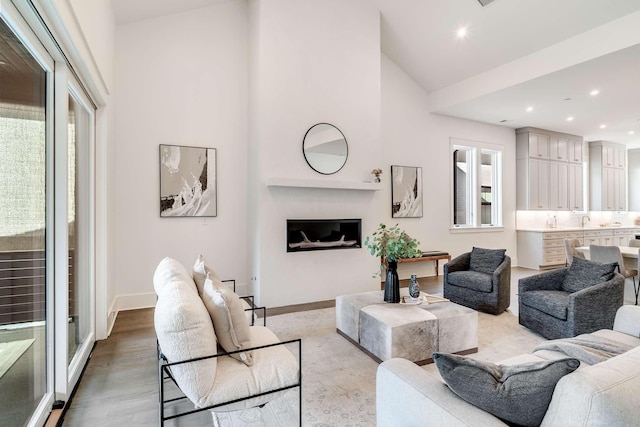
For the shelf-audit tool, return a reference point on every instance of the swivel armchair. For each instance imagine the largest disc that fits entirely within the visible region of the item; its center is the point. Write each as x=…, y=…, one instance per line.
x=480, y=279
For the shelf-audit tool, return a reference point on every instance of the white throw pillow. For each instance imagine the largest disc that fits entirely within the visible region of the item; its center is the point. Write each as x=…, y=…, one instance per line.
x=184, y=331
x=168, y=271
x=229, y=320
x=200, y=271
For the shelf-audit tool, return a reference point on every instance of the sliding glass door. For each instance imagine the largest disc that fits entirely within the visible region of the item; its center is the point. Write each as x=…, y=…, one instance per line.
x=80, y=316
x=25, y=228
x=47, y=274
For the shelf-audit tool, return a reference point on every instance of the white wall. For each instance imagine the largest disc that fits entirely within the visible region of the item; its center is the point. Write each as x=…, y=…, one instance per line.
x=181, y=79
x=250, y=83
x=312, y=61
x=411, y=136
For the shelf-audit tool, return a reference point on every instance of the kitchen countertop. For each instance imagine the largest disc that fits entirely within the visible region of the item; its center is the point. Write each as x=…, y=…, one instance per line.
x=589, y=228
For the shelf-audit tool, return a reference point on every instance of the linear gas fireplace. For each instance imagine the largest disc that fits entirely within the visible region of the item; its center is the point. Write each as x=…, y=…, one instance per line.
x=323, y=234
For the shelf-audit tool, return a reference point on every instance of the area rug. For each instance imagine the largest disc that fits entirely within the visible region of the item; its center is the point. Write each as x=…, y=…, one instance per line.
x=339, y=380
x=11, y=351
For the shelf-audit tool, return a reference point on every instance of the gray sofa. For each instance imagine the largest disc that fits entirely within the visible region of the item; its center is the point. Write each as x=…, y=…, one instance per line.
x=604, y=394
x=548, y=307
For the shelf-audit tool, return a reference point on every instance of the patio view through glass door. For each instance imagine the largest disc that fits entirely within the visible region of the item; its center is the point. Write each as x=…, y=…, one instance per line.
x=24, y=257
x=47, y=285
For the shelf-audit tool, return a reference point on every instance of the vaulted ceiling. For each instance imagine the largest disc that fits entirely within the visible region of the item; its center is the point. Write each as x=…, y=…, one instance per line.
x=544, y=54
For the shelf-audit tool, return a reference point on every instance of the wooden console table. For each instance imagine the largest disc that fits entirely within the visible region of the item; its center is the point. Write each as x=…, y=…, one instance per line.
x=428, y=256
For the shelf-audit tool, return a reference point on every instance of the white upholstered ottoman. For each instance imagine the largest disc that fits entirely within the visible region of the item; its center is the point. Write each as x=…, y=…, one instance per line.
x=414, y=332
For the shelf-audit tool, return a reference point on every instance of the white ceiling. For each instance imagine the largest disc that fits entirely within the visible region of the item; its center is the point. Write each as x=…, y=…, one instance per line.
x=518, y=53
x=127, y=11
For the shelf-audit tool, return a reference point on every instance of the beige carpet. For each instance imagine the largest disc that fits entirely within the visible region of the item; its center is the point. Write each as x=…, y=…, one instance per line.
x=11, y=351
x=339, y=380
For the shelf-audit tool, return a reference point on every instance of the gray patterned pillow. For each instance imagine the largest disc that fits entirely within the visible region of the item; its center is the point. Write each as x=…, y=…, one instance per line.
x=518, y=394
x=584, y=273
x=486, y=260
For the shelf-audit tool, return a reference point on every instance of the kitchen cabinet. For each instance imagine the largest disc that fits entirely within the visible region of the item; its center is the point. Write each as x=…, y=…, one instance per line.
x=575, y=151
x=607, y=176
x=558, y=148
x=544, y=248
x=576, y=187
x=548, y=170
x=559, y=193
x=538, y=145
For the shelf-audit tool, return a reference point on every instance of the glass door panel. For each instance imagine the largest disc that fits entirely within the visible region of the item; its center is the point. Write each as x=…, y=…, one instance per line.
x=23, y=230
x=80, y=316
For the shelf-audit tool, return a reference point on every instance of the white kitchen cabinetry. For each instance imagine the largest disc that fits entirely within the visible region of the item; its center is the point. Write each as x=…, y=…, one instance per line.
x=576, y=187
x=544, y=249
x=607, y=176
x=538, y=145
x=559, y=193
x=575, y=149
x=548, y=171
x=558, y=148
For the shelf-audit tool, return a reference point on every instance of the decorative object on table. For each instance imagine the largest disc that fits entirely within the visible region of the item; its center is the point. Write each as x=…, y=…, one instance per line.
x=414, y=287
x=187, y=181
x=377, y=172
x=406, y=192
x=391, y=244
x=325, y=148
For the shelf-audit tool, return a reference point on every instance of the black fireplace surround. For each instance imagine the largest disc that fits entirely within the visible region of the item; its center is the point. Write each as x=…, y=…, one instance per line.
x=305, y=235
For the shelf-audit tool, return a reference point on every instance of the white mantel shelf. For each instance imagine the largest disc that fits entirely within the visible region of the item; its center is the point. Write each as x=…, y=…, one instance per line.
x=322, y=183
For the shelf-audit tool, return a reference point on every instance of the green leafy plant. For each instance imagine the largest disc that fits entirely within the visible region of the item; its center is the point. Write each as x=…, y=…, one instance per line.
x=392, y=244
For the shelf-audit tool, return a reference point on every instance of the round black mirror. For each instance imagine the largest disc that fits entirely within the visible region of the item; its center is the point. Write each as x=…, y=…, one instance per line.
x=325, y=148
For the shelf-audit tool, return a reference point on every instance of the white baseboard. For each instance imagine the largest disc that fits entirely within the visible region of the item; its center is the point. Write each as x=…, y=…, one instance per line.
x=135, y=301
x=113, y=314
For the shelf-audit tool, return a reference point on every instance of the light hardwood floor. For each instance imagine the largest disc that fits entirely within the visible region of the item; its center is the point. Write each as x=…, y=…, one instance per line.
x=119, y=386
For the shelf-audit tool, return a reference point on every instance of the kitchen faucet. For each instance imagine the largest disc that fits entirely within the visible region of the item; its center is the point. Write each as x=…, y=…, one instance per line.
x=582, y=220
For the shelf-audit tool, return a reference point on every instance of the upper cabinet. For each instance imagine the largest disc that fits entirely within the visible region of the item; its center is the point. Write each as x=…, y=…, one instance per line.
x=549, y=170
x=607, y=176
x=538, y=146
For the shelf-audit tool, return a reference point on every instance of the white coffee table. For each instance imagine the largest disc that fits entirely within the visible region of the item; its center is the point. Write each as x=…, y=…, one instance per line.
x=385, y=330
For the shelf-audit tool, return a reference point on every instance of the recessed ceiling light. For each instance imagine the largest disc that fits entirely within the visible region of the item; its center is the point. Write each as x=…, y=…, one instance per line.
x=529, y=109
x=594, y=92
x=461, y=33
x=631, y=132
x=603, y=126
x=503, y=121
x=570, y=118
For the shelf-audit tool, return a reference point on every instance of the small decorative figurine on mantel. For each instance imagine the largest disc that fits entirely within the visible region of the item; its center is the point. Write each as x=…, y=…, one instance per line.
x=377, y=172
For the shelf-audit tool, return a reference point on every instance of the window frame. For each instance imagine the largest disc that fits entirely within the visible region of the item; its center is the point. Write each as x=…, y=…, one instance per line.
x=475, y=150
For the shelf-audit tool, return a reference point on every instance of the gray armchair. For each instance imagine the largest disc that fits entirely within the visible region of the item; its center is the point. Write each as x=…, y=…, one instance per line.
x=483, y=286
x=552, y=304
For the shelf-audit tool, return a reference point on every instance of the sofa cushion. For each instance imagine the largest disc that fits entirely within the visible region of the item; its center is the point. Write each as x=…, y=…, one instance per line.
x=584, y=273
x=553, y=303
x=200, y=271
x=184, y=330
x=475, y=280
x=169, y=271
x=273, y=367
x=605, y=394
x=229, y=320
x=486, y=260
x=518, y=394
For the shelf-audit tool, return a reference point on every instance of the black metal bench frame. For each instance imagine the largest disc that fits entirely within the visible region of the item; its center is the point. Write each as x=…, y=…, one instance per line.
x=164, y=371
